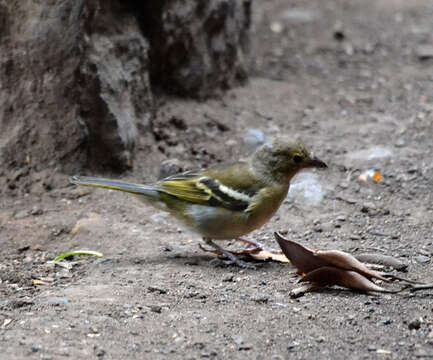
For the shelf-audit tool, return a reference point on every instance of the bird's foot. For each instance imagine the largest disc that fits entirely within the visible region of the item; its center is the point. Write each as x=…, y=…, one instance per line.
x=232, y=259
x=256, y=246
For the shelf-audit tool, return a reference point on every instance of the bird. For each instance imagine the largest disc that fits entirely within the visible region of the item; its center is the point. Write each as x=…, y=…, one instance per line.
x=226, y=201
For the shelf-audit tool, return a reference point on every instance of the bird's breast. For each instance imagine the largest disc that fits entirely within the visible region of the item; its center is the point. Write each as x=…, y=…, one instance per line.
x=222, y=223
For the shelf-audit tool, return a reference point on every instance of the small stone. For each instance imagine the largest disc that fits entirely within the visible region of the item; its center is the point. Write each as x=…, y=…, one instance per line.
x=386, y=321
x=157, y=289
x=23, y=248
x=260, y=299
x=276, y=27
x=100, y=352
x=228, y=278
x=155, y=308
x=21, y=214
x=254, y=138
x=298, y=15
x=318, y=229
x=422, y=259
x=424, y=52
x=371, y=348
x=239, y=341
x=35, y=348
x=192, y=294
x=341, y=218
x=292, y=346
x=414, y=324
x=36, y=211
x=400, y=143
x=170, y=167
x=209, y=353
x=339, y=34
x=56, y=301
x=368, y=207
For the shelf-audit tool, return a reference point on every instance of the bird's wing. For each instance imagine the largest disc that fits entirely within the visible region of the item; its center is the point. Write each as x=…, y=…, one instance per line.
x=208, y=188
x=184, y=189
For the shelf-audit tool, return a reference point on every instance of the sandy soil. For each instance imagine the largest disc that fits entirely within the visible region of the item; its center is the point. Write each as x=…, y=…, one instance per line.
x=354, y=79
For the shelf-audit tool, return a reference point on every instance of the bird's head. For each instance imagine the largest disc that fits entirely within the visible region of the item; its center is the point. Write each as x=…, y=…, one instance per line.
x=284, y=158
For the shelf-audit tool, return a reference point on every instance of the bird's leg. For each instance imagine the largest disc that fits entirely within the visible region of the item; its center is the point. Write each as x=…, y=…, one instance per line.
x=257, y=246
x=232, y=257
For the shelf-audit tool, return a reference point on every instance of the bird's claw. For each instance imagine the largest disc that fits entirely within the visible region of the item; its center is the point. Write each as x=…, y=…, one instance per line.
x=230, y=259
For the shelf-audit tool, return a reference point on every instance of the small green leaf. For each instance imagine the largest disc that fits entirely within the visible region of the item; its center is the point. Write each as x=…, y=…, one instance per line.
x=78, y=252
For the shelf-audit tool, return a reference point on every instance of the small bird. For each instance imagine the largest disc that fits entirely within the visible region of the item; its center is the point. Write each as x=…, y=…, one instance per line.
x=226, y=201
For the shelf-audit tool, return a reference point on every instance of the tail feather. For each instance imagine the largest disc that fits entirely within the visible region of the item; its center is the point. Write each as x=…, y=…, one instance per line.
x=119, y=185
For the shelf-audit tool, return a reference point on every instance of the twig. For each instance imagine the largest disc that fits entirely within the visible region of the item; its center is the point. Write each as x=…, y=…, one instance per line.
x=421, y=287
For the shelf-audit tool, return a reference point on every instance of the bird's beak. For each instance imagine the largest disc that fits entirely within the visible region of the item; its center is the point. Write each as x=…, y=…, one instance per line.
x=315, y=162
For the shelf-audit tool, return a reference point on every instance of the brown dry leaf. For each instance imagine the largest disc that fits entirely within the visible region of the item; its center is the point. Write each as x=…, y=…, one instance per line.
x=330, y=267
x=329, y=276
x=302, y=257
x=259, y=252
x=346, y=261
x=267, y=255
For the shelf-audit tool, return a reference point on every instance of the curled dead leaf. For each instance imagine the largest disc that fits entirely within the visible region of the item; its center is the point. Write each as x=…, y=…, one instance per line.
x=346, y=261
x=334, y=267
x=300, y=256
x=329, y=276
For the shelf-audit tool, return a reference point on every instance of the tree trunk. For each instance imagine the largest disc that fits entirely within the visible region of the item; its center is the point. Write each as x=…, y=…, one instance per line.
x=74, y=74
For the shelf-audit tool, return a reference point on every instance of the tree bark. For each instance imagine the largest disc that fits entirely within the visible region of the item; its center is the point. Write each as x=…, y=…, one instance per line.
x=75, y=74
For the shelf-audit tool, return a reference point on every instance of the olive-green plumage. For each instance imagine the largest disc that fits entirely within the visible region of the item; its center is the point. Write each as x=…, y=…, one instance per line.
x=226, y=201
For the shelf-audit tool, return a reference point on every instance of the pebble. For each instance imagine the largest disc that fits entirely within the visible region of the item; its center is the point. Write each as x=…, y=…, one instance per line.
x=318, y=229
x=228, y=278
x=239, y=341
x=307, y=191
x=21, y=214
x=56, y=301
x=292, y=346
x=299, y=15
x=341, y=218
x=260, y=299
x=254, y=138
x=245, y=347
x=155, y=308
x=422, y=259
x=209, y=353
x=276, y=27
x=414, y=324
x=373, y=153
x=400, y=143
x=100, y=353
x=424, y=52
x=386, y=321
x=170, y=167
x=157, y=289
x=371, y=348
x=37, y=211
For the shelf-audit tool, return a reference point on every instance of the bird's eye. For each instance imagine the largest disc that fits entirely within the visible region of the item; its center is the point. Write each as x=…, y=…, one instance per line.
x=297, y=159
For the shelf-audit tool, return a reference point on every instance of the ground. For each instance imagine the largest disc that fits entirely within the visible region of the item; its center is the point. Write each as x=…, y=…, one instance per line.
x=353, y=79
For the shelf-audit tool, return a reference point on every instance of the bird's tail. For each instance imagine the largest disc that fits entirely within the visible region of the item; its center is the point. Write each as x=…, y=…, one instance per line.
x=135, y=189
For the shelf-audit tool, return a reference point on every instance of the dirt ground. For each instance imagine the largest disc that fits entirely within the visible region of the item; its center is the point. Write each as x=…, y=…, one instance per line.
x=354, y=79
